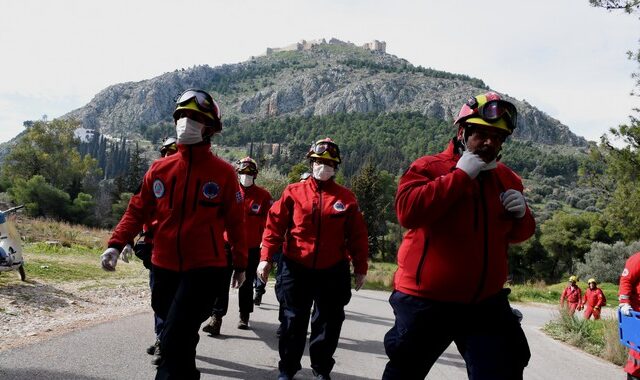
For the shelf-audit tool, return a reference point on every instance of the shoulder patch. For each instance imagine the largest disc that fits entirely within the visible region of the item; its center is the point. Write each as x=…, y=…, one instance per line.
x=158, y=188
x=625, y=272
x=239, y=197
x=255, y=208
x=339, y=206
x=210, y=190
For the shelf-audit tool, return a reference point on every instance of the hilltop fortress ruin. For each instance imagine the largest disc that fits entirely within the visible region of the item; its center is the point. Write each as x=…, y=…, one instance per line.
x=375, y=45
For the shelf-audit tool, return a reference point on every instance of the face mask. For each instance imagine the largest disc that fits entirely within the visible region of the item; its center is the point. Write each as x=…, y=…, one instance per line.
x=246, y=180
x=490, y=165
x=189, y=131
x=323, y=172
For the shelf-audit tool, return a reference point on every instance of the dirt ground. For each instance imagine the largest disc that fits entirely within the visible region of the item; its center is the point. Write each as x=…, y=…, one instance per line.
x=32, y=311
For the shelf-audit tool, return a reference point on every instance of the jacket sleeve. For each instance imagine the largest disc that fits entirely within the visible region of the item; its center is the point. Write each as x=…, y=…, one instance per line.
x=421, y=199
x=278, y=220
x=358, y=241
x=628, y=279
x=140, y=205
x=234, y=224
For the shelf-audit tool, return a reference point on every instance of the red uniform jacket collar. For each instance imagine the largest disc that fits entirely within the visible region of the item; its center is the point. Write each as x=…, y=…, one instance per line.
x=195, y=150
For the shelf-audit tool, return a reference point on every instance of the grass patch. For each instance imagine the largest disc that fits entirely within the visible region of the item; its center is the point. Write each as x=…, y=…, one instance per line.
x=599, y=338
x=380, y=276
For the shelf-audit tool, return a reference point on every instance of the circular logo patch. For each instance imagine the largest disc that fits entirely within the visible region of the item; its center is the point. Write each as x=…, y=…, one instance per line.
x=158, y=188
x=210, y=190
x=338, y=206
x=625, y=272
x=255, y=208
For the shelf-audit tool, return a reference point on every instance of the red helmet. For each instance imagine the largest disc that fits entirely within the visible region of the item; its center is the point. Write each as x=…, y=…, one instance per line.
x=326, y=149
x=489, y=110
x=247, y=166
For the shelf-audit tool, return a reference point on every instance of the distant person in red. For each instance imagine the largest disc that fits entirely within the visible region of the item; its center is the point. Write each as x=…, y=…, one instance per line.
x=572, y=295
x=629, y=298
x=257, y=202
x=593, y=300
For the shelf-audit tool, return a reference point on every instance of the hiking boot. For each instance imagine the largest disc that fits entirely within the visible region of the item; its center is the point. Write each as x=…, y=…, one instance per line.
x=319, y=376
x=257, y=300
x=214, y=325
x=285, y=376
x=151, y=350
x=243, y=324
x=157, y=357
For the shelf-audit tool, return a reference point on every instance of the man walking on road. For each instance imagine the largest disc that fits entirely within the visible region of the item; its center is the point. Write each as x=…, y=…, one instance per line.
x=461, y=208
x=195, y=197
x=318, y=225
x=593, y=300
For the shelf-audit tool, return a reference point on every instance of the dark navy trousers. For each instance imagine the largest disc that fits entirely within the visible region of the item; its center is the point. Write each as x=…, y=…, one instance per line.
x=300, y=288
x=488, y=336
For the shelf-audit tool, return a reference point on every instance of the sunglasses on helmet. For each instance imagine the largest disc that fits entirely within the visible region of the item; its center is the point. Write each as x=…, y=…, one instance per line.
x=320, y=148
x=204, y=101
x=495, y=110
x=247, y=168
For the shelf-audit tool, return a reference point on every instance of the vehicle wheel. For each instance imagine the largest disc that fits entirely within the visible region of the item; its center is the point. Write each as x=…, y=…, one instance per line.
x=23, y=275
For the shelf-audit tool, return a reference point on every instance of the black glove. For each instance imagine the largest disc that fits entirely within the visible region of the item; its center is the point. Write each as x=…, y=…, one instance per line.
x=143, y=252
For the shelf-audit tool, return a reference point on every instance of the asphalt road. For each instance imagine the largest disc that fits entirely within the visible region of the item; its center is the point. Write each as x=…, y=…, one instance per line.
x=116, y=350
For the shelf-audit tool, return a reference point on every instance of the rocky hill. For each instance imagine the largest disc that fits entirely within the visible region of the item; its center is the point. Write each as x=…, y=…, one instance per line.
x=321, y=79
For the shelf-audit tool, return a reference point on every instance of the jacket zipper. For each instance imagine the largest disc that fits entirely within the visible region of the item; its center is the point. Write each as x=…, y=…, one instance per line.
x=317, y=248
x=485, y=259
x=421, y=262
x=184, y=205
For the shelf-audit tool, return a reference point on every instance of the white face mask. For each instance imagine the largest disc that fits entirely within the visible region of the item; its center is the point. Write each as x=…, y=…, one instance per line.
x=189, y=131
x=322, y=172
x=245, y=180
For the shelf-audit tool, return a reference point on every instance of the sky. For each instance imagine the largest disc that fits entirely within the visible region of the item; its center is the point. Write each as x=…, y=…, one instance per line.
x=564, y=57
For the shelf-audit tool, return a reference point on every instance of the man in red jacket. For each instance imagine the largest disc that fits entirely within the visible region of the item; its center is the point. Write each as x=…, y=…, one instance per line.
x=319, y=227
x=593, y=300
x=629, y=298
x=462, y=209
x=572, y=294
x=257, y=202
x=195, y=197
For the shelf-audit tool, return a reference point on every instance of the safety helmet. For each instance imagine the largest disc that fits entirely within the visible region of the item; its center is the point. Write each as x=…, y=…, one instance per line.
x=573, y=279
x=326, y=149
x=592, y=280
x=488, y=110
x=169, y=146
x=247, y=165
x=201, y=102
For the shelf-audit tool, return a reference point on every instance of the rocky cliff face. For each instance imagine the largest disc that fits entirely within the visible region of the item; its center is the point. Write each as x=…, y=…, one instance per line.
x=327, y=79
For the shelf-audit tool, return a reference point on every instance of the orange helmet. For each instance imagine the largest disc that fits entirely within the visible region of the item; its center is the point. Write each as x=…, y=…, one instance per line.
x=489, y=110
x=326, y=149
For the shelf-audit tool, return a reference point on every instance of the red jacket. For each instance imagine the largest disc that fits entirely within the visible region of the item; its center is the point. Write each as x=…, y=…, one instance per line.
x=195, y=197
x=316, y=223
x=257, y=202
x=629, y=291
x=572, y=294
x=593, y=297
x=459, y=232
